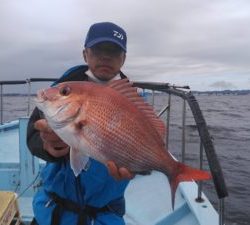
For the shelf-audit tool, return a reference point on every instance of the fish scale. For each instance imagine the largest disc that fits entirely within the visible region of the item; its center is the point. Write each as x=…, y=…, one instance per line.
x=123, y=136
x=127, y=157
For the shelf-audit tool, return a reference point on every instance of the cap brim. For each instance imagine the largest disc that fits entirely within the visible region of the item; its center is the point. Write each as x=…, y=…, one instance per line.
x=99, y=40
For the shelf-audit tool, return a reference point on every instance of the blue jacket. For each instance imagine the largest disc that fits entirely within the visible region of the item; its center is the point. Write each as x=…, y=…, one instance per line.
x=97, y=188
x=94, y=187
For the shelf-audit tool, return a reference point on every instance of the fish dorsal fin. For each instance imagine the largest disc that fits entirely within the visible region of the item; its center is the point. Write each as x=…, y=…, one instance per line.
x=125, y=87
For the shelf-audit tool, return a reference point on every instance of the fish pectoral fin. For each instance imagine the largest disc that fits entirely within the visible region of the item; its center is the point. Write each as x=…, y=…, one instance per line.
x=78, y=161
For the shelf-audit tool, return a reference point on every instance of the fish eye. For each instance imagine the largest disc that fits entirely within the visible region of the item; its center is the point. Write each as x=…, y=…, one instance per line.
x=65, y=91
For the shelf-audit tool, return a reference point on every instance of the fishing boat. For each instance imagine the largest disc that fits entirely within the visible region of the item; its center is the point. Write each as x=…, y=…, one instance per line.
x=148, y=198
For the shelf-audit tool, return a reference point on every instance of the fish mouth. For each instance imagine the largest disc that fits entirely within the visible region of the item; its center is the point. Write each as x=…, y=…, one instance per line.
x=40, y=97
x=38, y=101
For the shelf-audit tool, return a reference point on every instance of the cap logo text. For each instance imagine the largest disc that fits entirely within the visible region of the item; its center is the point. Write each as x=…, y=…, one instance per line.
x=118, y=35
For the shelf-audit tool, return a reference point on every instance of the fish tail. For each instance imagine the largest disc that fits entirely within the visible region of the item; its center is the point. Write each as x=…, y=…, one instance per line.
x=185, y=173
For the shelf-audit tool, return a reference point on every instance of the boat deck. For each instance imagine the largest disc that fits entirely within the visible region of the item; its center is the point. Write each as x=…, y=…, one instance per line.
x=148, y=198
x=148, y=201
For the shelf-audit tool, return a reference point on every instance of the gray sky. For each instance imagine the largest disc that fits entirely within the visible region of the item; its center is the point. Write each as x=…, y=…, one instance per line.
x=204, y=44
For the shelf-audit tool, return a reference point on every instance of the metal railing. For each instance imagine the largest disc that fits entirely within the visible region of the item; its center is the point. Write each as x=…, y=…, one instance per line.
x=205, y=138
x=16, y=82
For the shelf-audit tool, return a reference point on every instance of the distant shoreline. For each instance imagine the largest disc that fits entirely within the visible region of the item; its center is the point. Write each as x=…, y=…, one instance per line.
x=224, y=92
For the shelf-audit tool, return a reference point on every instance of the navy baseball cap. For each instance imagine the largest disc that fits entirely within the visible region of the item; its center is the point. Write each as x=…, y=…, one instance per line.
x=106, y=31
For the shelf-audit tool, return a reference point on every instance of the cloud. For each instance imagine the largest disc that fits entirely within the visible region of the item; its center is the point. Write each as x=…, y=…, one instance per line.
x=166, y=39
x=222, y=85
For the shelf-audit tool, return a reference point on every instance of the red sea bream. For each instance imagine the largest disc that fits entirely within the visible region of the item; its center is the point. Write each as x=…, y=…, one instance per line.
x=111, y=122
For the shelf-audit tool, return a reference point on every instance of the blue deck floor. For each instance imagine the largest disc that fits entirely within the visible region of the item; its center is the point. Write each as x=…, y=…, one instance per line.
x=148, y=202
